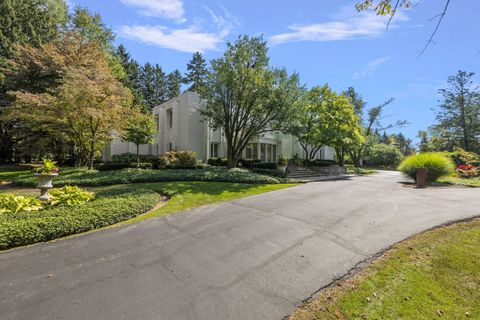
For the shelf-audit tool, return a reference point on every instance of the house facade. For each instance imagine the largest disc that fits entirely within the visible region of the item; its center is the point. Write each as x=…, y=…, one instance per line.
x=180, y=126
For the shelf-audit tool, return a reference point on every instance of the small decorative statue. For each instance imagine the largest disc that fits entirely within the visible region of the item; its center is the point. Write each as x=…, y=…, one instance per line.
x=45, y=174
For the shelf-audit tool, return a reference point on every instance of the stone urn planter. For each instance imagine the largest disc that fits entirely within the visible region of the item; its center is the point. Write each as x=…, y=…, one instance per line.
x=44, y=182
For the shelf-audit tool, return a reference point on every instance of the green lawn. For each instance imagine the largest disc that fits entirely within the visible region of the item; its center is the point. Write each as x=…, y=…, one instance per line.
x=7, y=174
x=435, y=275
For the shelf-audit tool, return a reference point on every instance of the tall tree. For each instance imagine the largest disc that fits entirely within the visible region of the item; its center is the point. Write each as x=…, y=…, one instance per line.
x=84, y=106
x=424, y=144
x=174, y=83
x=372, y=122
x=31, y=22
x=140, y=130
x=245, y=96
x=197, y=73
x=458, y=114
x=132, y=76
x=153, y=85
x=323, y=117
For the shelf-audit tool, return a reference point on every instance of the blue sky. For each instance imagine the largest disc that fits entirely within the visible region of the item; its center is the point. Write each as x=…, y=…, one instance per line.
x=324, y=41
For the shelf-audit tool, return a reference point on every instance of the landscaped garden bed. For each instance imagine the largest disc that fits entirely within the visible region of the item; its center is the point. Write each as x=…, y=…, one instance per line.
x=85, y=177
x=109, y=206
x=435, y=275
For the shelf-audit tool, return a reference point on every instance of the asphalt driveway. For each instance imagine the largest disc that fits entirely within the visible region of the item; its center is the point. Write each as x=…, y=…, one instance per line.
x=254, y=258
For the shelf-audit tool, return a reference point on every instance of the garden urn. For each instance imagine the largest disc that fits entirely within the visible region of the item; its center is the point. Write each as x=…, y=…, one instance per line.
x=421, y=177
x=44, y=182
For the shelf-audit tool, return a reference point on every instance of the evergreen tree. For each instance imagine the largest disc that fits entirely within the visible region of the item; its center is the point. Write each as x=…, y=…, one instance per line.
x=424, y=145
x=458, y=114
x=174, y=82
x=197, y=73
x=132, y=76
x=152, y=85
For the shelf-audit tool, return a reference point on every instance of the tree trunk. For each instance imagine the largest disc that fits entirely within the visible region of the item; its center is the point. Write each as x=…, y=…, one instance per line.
x=340, y=152
x=231, y=161
x=138, y=156
x=91, y=155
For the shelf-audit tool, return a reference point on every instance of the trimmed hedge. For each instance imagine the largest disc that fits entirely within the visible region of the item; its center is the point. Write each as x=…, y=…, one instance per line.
x=438, y=165
x=108, y=166
x=84, y=177
x=319, y=163
x=110, y=206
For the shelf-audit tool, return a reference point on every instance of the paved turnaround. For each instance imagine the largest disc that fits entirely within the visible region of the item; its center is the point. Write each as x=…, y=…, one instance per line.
x=254, y=258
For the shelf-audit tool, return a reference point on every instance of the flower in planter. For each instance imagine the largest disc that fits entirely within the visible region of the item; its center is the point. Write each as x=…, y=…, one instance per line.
x=48, y=167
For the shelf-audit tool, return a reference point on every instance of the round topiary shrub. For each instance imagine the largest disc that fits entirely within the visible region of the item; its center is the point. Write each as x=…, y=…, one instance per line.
x=437, y=164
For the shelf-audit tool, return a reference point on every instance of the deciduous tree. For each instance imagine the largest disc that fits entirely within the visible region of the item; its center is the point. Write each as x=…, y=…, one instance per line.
x=245, y=96
x=140, y=130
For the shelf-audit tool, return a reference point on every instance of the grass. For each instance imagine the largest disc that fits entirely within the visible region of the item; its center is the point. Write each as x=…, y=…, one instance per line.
x=473, y=182
x=45, y=225
x=434, y=275
x=7, y=174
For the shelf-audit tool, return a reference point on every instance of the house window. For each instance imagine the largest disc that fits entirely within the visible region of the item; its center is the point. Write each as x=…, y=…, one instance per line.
x=214, y=149
x=170, y=117
x=252, y=151
x=268, y=152
x=157, y=123
x=170, y=148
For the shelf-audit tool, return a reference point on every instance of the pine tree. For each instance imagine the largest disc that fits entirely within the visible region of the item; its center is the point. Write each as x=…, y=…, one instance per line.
x=457, y=116
x=197, y=73
x=132, y=76
x=153, y=85
x=174, y=82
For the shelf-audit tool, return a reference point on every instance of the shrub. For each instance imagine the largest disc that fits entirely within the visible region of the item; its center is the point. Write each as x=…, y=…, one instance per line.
x=319, y=163
x=462, y=157
x=132, y=158
x=85, y=177
x=282, y=161
x=217, y=162
x=437, y=164
x=110, y=206
x=107, y=166
x=381, y=154
x=70, y=196
x=12, y=204
x=177, y=159
x=269, y=172
x=467, y=171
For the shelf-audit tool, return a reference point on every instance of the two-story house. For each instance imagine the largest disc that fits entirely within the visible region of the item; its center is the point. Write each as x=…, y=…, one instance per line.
x=180, y=126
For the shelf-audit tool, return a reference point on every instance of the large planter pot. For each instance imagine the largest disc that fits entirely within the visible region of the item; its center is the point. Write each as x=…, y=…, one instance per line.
x=44, y=182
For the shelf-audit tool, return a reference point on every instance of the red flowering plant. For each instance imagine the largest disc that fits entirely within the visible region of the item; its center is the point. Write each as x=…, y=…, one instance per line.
x=467, y=171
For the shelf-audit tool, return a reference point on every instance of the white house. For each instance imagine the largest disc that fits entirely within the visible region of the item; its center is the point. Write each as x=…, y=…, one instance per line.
x=180, y=126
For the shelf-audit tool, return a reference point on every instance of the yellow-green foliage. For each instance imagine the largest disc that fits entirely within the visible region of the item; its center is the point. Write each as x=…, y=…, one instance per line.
x=70, y=196
x=437, y=163
x=10, y=203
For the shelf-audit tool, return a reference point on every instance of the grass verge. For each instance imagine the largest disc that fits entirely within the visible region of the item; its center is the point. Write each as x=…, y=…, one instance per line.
x=434, y=275
x=473, y=182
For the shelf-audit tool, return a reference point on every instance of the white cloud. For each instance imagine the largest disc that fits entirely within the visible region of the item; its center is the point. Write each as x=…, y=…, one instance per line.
x=169, y=9
x=344, y=26
x=370, y=68
x=188, y=39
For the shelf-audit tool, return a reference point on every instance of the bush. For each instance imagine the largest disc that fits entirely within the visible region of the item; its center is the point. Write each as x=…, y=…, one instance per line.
x=132, y=158
x=70, y=196
x=468, y=171
x=12, y=204
x=107, y=166
x=319, y=163
x=269, y=172
x=110, y=206
x=437, y=164
x=177, y=160
x=383, y=155
x=462, y=157
x=217, y=162
x=85, y=177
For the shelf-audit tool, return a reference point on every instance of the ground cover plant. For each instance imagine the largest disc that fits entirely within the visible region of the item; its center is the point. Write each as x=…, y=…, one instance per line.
x=114, y=204
x=110, y=206
x=435, y=275
x=85, y=177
